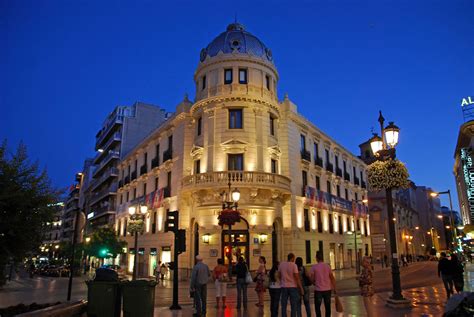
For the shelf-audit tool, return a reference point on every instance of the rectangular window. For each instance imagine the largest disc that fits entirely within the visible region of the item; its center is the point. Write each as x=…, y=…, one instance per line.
x=302, y=142
x=199, y=125
x=331, y=224
x=170, y=142
x=304, y=176
x=358, y=225
x=156, y=183
x=128, y=196
x=346, y=193
x=145, y=159
x=267, y=82
x=235, y=162
x=134, y=193
x=203, y=82
x=308, y=251
x=356, y=196
x=306, y=220
x=320, y=221
x=125, y=228
x=321, y=249
x=328, y=187
x=272, y=125
x=242, y=76
x=338, y=190
x=197, y=166
x=169, y=180
x=235, y=118
x=318, y=183
x=153, y=224
x=121, y=199
x=340, y=224
x=228, y=76
x=336, y=158
x=157, y=150
x=144, y=189
x=274, y=166
x=361, y=176
x=327, y=156
x=344, y=166
x=354, y=172
x=316, y=149
x=136, y=165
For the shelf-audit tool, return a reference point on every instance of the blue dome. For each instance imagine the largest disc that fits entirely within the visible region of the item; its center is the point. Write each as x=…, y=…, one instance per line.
x=236, y=40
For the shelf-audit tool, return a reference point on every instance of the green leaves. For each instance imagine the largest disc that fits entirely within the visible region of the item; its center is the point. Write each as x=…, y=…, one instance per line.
x=104, y=244
x=387, y=174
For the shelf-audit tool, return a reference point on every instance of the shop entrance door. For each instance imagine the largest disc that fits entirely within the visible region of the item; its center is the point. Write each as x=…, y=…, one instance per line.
x=240, y=246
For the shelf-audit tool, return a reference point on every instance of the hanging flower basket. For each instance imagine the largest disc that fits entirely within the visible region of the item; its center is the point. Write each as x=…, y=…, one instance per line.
x=228, y=217
x=387, y=174
x=135, y=226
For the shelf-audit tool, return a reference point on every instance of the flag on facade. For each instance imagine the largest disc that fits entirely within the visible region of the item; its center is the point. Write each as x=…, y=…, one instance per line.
x=310, y=194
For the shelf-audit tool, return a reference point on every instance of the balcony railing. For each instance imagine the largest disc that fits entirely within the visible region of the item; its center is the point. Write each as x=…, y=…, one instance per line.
x=155, y=162
x=167, y=155
x=95, y=197
x=305, y=155
x=117, y=136
x=356, y=180
x=338, y=172
x=110, y=156
x=111, y=172
x=347, y=176
x=238, y=179
x=117, y=119
x=134, y=175
x=143, y=169
x=329, y=167
x=318, y=161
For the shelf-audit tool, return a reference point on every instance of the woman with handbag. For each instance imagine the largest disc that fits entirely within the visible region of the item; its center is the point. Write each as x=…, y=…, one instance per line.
x=259, y=280
x=242, y=273
x=365, y=284
x=221, y=278
x=306, y=282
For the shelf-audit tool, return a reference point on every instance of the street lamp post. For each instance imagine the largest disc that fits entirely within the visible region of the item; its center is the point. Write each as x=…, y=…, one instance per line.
x=451, y=215
x=138, y=218
x=230, y=201
x=384, y=149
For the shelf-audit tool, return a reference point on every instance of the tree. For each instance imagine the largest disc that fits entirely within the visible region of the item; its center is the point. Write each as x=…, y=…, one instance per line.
x=104, y=243
x=26, y=203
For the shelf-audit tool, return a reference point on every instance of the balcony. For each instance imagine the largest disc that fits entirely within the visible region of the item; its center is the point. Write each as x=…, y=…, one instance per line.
x=356, y=180
x=329, y=167
x=238, y=179
x=338, y=172
x=111, y=172
x=347, y=176
x=126, y=180
x=143, y=169
x=318, y=161
x=133, y=176
x=112, y=155
x=116, y=137
x=108, y=127
x=97, y=196
x=305, y=155
x=155, y=162
x=167, y=155
x=363, y=184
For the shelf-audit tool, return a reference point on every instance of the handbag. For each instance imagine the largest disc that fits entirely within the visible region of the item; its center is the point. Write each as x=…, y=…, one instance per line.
x=248, y=276
x=339, y=307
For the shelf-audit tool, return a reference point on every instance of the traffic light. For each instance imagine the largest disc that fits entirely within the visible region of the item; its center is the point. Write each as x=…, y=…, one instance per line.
x=171, y=222
x=103, y=252
x=181, y=241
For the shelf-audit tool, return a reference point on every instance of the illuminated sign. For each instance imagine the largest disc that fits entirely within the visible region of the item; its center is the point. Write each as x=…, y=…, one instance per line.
x=90, y=215
x=468, y=171
x=467, y=101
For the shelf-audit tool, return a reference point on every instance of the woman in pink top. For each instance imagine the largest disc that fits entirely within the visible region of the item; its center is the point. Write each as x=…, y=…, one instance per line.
x=324, y=282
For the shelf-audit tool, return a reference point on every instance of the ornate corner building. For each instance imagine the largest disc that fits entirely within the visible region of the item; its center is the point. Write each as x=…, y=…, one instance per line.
x=299, y=188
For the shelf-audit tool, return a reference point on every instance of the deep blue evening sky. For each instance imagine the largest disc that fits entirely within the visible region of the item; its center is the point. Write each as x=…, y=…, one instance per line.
x=64, y=65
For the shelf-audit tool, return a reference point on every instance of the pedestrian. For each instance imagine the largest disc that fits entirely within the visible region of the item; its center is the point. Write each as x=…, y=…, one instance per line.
x=324, y=282
x=260, y=279
x=306, y=282
x=445, y=271
x=221, y=278
x=241, y=270
x=157, y=273
x=365, y=284
x=404, y=260
x=290, y=286
x=275, y=289
x=199, y=278
x=163, y=270
x=458, y=273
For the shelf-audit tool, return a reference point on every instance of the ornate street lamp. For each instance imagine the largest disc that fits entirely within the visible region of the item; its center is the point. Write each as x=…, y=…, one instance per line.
x=229, y=216
x=386, y=173
x=135, y=226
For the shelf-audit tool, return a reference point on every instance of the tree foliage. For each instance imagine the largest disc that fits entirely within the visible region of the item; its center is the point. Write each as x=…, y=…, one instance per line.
x=26, y=199
x=104, y=239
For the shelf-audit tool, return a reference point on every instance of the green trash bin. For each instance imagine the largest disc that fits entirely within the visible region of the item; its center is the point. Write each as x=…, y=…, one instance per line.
x=138, y=298
x=103, y=299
